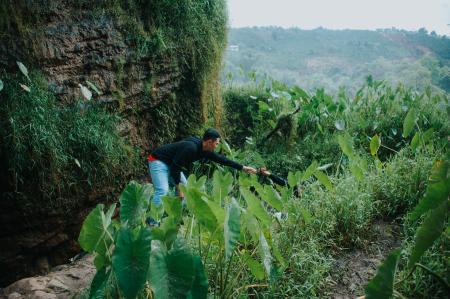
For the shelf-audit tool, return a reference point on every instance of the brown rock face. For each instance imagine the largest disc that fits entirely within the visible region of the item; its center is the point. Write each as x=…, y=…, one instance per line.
x=71, y=45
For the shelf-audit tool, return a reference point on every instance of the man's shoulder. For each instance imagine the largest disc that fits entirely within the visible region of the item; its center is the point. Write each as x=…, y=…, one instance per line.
x=190, y=143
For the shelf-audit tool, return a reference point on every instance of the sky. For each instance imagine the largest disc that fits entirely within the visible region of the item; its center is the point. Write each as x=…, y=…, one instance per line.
x=411, y=15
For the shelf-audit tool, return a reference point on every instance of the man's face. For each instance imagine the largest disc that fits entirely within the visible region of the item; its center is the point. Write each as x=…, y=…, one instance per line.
x=211, y=144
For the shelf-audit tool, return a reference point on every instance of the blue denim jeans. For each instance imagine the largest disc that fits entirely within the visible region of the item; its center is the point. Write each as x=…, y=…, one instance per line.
x=161, y=179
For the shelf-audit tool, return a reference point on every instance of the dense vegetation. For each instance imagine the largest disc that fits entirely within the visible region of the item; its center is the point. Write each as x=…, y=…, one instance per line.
x=349, y=161
x=56, y=152
x=53, y=151
x=335, y=58
x=376, y=152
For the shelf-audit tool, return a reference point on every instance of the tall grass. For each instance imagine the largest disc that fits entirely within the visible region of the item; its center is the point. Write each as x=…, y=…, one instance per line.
x=53, y=151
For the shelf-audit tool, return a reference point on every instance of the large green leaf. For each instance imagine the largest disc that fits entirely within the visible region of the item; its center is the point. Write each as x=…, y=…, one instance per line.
x=356, y=170
x=172, y=272
x=95, y=229
x=310, y=170
x=218, y=211
x=323, y=178
x=200, y=208
x=382, y=285
x=167, y=232
x=428, y=232
x=437, y=191
x=375, y=144
x=255, y=267
x=247, y=180
x=172, y=206
x=134, y=202
x=222, y=185
x=92, y=230
x=156, y=211
x=252, y=225
x=180, y=264
x=199, y=288
x=199, y=184
x=272, y=197
x=408, y=123
x=264, y=252
x=232, y=227
x=277, y=254
x=293, y=179
x=415, y=141
x=131, y=260
x=97, y=289
x=346, y=143
x=427, y=135
x=254, y=206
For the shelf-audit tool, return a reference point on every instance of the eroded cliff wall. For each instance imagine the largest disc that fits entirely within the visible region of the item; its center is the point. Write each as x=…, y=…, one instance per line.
x=155, y=65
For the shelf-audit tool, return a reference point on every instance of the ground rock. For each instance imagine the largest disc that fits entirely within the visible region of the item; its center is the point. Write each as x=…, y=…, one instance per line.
x=65, y=281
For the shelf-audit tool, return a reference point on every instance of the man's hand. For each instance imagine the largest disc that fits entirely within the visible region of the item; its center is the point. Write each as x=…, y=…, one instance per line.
x=179, y=192
x=264, y=171
x=249, y=169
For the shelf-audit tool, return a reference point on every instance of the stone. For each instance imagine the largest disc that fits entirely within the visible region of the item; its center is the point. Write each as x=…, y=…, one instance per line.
x=42, y=295
x=26, y=285
x=57, y=285
x=67, y=282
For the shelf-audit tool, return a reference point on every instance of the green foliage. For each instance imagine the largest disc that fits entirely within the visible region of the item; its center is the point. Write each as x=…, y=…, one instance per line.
x=230, y=223
x=130, y=260
x=135, y=257
x=222, y=185
x=134, y=202
x=335, y=58
x=172, y=272
x=202, y=211
x=437, y=190
x=409, y=122
x=382, y=285
x=52, y=151
x=375, y=144
x=200, y=285
x=254, y=206
x=429, y=231
x=232, y=227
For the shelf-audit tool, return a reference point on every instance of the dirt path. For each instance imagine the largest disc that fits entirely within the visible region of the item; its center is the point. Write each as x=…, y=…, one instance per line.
x=354, y=268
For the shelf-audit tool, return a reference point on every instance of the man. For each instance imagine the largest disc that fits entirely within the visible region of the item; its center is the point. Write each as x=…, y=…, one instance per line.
x=167, y=162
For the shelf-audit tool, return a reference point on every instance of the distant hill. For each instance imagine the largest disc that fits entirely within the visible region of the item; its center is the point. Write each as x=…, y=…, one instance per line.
x=334, y=58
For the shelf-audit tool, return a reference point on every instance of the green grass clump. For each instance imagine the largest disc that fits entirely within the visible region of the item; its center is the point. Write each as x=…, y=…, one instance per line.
x=53, y=151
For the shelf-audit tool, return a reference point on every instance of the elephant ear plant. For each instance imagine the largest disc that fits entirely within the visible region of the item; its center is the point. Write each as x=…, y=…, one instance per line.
x=226, y=226
x=133, y=261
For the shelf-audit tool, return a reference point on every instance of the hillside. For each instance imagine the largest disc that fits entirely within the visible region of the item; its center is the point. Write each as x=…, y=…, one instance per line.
x=334, y=58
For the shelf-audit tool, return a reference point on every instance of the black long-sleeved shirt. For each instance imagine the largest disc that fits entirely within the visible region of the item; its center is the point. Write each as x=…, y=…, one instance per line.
x=180, y=155
x=278, y=180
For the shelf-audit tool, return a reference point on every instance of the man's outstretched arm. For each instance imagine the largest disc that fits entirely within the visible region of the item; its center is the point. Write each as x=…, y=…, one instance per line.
x=221, y=159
